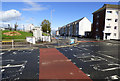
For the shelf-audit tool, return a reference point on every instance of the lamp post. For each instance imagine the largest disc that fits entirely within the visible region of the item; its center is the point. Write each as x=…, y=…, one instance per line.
x=47, y=29
x=51, y=17
x=23, y=27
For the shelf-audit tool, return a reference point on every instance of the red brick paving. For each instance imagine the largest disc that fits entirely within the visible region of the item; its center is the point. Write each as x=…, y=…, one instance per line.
x=54, y=65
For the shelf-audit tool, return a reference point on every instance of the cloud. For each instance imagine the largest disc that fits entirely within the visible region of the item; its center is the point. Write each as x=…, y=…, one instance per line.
x=9, y=15
x=63, y=0
x=33, y=6
x=4, y=24
x=29, y=20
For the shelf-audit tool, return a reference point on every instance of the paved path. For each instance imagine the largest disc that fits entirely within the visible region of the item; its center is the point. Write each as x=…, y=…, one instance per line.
x=54, y=65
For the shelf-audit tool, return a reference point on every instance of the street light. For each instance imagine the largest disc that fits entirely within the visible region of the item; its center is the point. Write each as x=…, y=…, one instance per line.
x=23, y=27
x=51, y=17
x=47, y=29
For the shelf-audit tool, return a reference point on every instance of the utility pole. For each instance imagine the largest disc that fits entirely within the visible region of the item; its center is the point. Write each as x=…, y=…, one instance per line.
x=47, y=28
x=23, y=27
x=51, y=17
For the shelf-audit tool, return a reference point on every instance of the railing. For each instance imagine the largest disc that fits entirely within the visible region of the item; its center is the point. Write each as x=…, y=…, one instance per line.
x=46, y=39
x=16, y=43
x=9, y=41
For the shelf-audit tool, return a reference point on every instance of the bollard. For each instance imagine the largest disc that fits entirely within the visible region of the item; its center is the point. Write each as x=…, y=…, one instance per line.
x=75, y=40
x=30, y=44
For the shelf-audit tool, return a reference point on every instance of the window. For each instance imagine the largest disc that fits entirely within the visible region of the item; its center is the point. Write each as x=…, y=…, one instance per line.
x=97, y=15
x=115, y=27
x=114, y=34
x=107, y=34
x=116, y=20
x=96, y=29
x=109, y=19
x=117, y=12
x=109, y=11
x=97, y=23
x=108, y=26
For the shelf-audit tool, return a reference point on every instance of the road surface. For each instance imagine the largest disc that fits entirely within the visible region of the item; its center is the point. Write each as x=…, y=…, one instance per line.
x=98, y=60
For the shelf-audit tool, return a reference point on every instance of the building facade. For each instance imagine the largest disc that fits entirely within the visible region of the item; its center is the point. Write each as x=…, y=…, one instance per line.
x=57, y=33
x=76, y=28
x=105, y=23
x=29, y=27
x=37, y=33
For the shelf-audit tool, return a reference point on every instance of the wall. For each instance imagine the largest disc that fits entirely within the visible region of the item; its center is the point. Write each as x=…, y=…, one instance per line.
x=84, y=25
x=100, y=18
x=29, y=27
x=77, y=29
x=71, y=31
x=111, y=23
x=37, y=33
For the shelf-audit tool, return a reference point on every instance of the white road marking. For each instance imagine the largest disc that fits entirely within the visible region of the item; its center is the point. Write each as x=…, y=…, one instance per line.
x=80, y=68
x=109, y=56
x=74, y=55
x=88, y=74
x=8, y=60
x=109, y=69
x=74, y=63
x=2, y=70
x=114, y=77
x=2, y=53
x=14, y=53
x=21, y=65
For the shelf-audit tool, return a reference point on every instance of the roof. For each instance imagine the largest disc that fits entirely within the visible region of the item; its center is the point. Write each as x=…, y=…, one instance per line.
x=107, y=6
x=73, y=22
x=77, y=20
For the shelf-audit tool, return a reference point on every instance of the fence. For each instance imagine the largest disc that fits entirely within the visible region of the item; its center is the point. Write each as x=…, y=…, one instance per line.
x=16, y=43
x=8, y=42
x=46, y=39
x=30, y=40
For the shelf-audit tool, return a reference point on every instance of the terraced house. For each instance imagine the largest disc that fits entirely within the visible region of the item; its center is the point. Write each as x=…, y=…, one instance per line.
x=105, y=23
x=79, y=27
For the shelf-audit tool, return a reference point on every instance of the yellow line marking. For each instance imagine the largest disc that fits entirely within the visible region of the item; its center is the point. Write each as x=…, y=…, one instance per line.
x=7, y=41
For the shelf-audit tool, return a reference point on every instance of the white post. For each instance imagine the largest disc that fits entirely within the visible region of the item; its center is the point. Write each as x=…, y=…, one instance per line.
x=51, y=20
x=12, y=43
x=30, y=44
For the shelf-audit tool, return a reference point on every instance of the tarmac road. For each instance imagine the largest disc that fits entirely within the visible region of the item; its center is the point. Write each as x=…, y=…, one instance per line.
x=20, y=64
x=99, y=60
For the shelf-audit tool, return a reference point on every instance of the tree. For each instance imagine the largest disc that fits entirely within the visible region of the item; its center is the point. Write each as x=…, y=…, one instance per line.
x=46, y=26
x=16, y=26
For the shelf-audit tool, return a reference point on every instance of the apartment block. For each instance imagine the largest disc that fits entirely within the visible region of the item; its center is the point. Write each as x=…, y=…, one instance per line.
x=76, y=28
x=105, y=23
x=57, y=33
